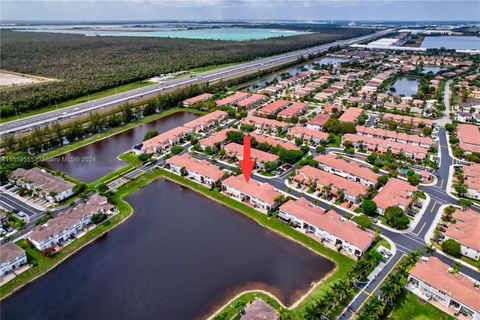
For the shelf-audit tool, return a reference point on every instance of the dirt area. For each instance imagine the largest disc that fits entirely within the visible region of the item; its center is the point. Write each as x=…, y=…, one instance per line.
x=416, y=44
x=13, y=79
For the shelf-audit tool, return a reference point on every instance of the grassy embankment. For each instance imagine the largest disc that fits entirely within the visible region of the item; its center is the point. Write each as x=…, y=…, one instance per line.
x=69, y=103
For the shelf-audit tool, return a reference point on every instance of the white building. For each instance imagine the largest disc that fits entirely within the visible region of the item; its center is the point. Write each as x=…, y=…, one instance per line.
x=466, y=231
x=11, y=257
x=453, y=292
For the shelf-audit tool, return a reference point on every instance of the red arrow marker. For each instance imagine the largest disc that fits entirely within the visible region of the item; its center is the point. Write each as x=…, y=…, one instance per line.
x=246, y=163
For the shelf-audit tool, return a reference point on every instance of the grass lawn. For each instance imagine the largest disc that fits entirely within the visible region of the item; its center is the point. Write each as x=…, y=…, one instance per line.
x=130, y=158
x=210, y=68
x=410, y=308
x=114, y=131
x=72, y=102
x=336, y=141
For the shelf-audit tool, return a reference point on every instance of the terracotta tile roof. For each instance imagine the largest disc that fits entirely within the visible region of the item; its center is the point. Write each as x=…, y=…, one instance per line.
x=274, y=107
x=351, y=115
x=396, y=147
x=262, y=191
x=163, y=139
x=348, y=166
x=469, y=136
x=219, y=136
x=395, y=192
x=319, y=120
x=274, y=141
x=202, y=167
x=307, y=133
x=400, y=118
x=234, y=98
x=235, y=149
x=201, y=97
x=472, y=176
x=9, y=251
x=254, y=98
x=435, y=273
x=330, y=221
x=265, y=121
x=328, y=179
x=466, y=230
x=293, y=109
x=42, y=179
x=206, y=119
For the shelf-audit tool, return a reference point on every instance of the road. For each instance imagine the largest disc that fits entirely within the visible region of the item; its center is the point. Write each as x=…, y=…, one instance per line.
x=151, y=91
x=10, y=202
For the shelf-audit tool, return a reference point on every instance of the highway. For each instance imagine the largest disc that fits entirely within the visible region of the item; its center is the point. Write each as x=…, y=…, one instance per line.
x=132, y=96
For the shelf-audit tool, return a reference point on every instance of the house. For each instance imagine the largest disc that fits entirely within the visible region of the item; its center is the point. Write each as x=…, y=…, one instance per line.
x=351, y=115
x=308, y=135
x=274, y=142
x=233, y=99
x=196, y=169
x=42, y=183
x=235, y=151
x=258, y=310
x=261, y=196
x=252, y=101
x=191, y=101
x=432, y=280
x=294, y=110
x=69, y=223
x=469, y=136
x=310, y=176
x=273, y=107
x=215, y=138
x=318, y=122
x=327, y=227
x=466, y=231
x=266, y=124
x=472, y=179
x=395, y=193
x=11, y=257
x=207, y=121
x=163, y=141
x=347, y=168
x=412, y=139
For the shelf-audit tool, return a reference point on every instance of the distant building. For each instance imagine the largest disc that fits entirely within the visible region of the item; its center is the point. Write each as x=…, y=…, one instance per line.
x=431, y=280
x=191, y=101
x=11, y=257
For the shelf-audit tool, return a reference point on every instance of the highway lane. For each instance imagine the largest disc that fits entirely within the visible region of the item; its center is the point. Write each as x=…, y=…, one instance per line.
x=151, y=91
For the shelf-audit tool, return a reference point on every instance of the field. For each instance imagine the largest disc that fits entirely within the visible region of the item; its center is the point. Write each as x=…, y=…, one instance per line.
x=13, y=79
x=86, y=65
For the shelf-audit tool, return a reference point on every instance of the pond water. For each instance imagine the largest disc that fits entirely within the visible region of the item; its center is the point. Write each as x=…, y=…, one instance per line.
x=180, y=256
x=451, y=42
x=95, y=160
x=406, y=86
x=434, y=69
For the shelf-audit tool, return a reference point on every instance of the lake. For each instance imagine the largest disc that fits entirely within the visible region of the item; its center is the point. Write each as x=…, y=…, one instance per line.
x=451, y=42
x=101, y=156
x=406, y=86
x=180, y=256
x=234, y=33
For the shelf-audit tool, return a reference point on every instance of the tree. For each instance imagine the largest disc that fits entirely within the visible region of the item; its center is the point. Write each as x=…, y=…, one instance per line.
x=395, y=218
x=176, y=150
x=144, y=157
x=450, y=127
x=290, y=156
x=98, y=217
x=150, y=134
x=79, y=188
x=382, y=180
x=363, y=221
x=235, y=136
x=427, y=131
x=451, y=247
x=461, y=189
x=369, y=207
x=333, y=126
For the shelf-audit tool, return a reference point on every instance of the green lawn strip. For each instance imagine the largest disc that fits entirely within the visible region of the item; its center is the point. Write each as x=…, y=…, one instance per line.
x=44, y=264
x=410, y=308
x=210, y=68
x=472, y=262
x=114, y=131
x=131, y=158
x=343, y=262
x=72, y=102
x=336, y=141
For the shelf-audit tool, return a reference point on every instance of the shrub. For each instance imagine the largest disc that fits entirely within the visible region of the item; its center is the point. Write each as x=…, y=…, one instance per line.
x=451, y=247
x=369, y=207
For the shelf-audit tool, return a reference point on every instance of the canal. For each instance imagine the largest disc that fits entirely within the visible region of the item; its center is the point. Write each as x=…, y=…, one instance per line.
x=95, y=160
x=180, y=256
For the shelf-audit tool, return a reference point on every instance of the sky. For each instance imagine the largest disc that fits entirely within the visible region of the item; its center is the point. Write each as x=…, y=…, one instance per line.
x=309, y=10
